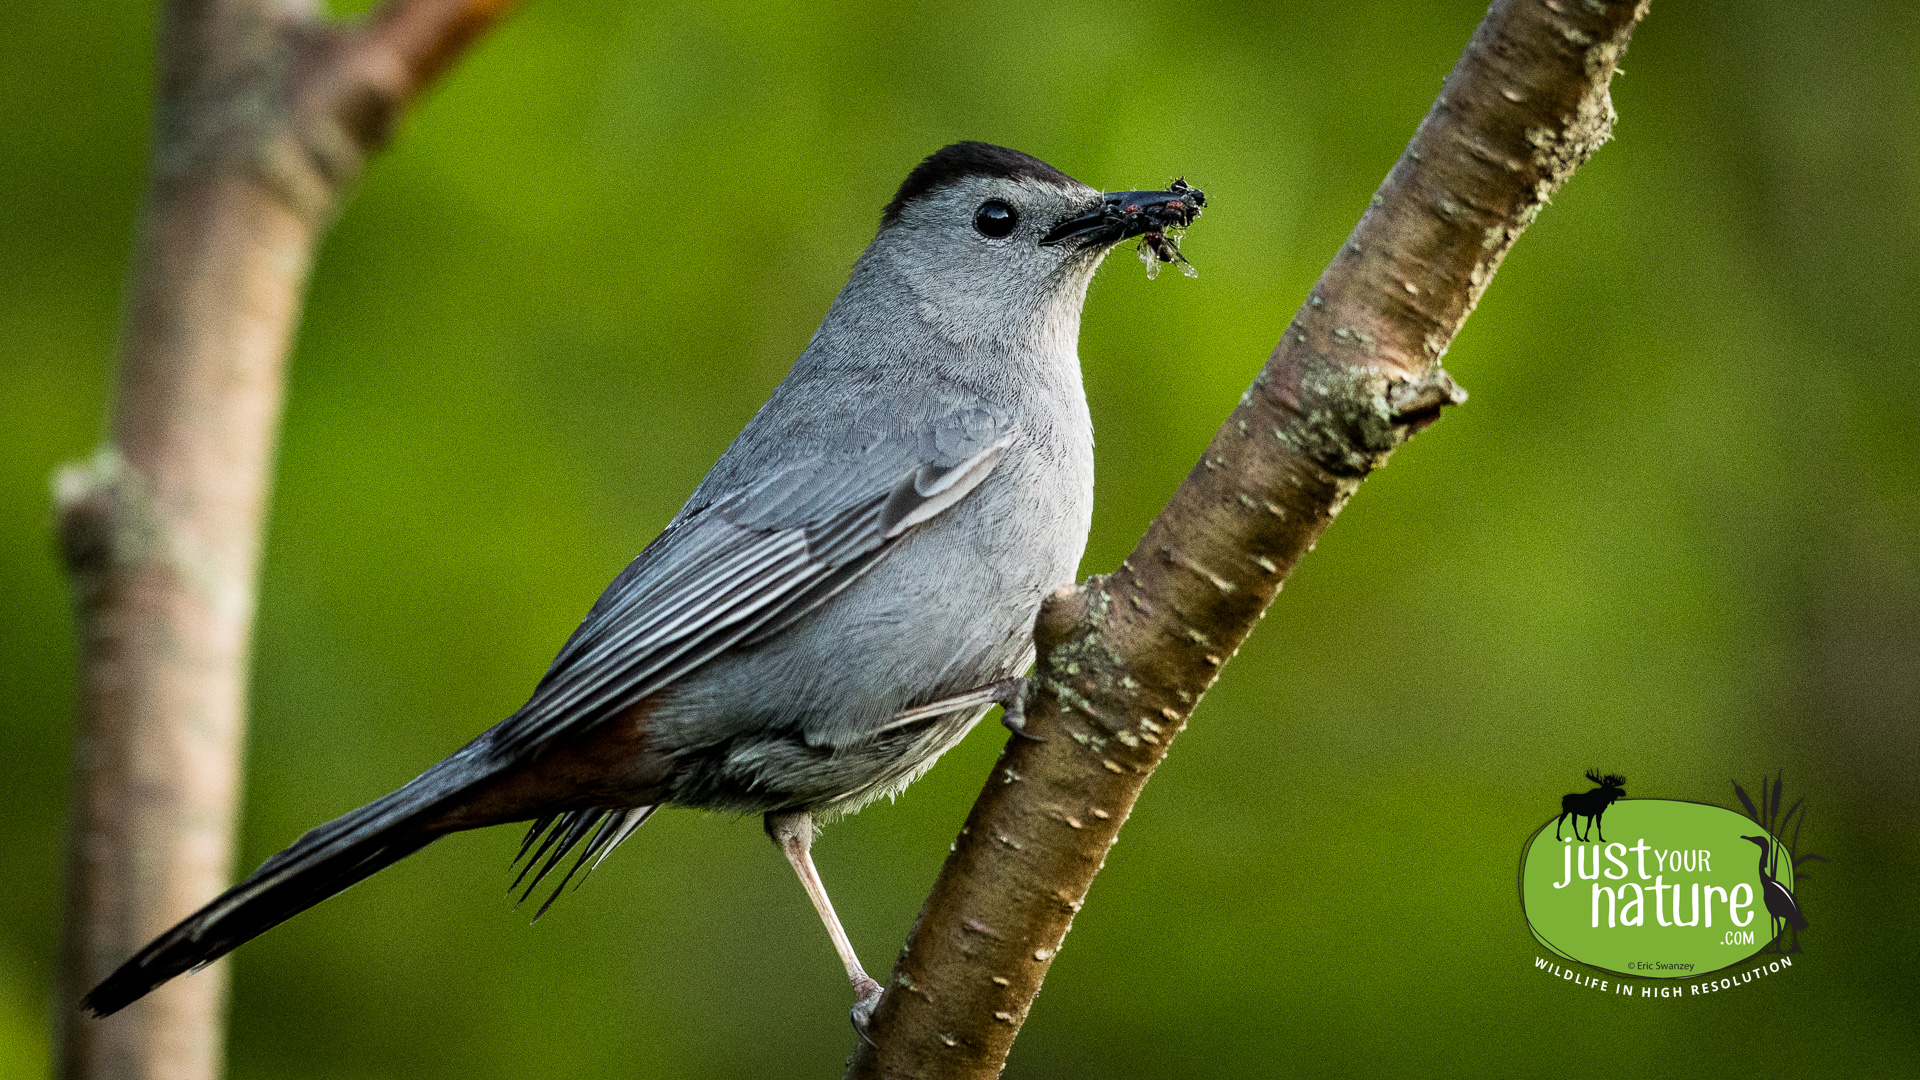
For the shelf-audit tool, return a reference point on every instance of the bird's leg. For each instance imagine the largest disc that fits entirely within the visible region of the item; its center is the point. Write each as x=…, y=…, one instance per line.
x=792, y=831
x=1009, y=694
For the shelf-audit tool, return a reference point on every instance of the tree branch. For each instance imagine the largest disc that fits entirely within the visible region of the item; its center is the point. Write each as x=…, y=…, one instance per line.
x=265, y=115
x=1125, y=657
x=425, y=36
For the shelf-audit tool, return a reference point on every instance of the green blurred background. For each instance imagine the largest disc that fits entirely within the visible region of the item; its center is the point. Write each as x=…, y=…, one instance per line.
x=1676, y=532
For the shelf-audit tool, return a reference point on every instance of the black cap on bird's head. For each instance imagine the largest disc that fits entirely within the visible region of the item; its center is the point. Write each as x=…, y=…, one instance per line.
x=951, y=164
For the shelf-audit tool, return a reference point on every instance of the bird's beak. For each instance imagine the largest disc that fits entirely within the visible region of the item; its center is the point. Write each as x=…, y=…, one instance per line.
x=1130, y=213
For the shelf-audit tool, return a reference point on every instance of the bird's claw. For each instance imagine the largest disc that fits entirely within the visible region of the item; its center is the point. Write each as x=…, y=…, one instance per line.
x=1012, y=699
x=1017, y=724
x=862, y=1012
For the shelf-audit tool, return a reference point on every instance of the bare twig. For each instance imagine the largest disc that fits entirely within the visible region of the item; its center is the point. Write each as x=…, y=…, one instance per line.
x=1125, y=657
x=425, y=36
x=265, y=115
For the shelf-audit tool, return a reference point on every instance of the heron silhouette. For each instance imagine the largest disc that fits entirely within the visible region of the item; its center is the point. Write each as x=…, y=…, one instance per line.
x=1766, y=814
x=1780, y=903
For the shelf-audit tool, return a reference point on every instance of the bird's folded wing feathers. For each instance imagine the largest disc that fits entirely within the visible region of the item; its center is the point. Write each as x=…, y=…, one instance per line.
x=738, y=570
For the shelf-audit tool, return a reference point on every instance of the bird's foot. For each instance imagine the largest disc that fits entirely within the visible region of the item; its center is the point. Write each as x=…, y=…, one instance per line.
x=868, y=993
x=1011, y=695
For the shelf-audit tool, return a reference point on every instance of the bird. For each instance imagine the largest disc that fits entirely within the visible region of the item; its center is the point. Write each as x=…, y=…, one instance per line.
x=1780, y=903
x=845, y=595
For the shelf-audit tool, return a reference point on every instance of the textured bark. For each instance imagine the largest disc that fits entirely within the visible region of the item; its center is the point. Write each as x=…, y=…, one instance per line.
x=1125, y=657
x=265, y=114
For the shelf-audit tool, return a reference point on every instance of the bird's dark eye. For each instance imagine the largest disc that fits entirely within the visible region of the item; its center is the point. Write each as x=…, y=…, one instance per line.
x=994, y=218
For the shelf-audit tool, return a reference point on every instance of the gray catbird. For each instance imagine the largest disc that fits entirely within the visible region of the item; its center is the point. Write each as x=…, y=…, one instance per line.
x=845, y=595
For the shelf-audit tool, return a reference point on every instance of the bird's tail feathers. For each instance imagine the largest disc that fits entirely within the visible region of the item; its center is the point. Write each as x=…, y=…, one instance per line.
x=322, y=863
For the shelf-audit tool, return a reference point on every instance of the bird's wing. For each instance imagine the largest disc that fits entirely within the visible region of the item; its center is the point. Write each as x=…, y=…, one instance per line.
x=740, y=567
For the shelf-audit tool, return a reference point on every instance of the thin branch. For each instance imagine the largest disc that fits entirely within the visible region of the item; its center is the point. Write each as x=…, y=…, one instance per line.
x=386, y=61
x=264, y=116
x=426, y=36
x=1125, y=657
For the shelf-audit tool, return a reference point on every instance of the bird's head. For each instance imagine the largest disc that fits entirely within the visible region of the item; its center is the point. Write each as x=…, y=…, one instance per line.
x=989, y=240
x=1761, y=840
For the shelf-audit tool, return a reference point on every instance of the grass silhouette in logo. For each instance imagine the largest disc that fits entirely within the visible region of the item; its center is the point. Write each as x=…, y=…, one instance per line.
x=1591, y=804
x=1780, y=902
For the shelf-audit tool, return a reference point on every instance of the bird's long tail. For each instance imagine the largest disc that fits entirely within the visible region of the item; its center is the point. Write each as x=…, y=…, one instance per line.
x=320, y=864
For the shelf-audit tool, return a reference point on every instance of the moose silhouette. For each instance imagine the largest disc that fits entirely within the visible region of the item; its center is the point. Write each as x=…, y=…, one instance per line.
x=1590, y=804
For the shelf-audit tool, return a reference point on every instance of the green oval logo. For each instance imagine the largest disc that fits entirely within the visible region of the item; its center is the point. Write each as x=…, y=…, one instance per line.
x=1674, y=890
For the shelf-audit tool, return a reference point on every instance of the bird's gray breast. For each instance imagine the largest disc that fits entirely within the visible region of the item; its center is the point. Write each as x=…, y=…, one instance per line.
x=791, y=720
